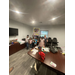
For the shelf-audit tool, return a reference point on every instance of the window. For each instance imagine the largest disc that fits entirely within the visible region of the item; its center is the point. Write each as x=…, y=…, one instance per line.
x=44, y=33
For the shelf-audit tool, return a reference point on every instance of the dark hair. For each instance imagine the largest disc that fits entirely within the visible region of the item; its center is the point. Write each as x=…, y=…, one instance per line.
x=27, y=35
x=41, y=37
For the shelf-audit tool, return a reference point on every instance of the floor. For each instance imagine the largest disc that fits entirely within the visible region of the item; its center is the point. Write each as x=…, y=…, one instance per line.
x=23, y=63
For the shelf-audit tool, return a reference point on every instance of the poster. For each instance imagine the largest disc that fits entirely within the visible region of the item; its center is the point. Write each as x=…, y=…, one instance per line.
x=36, y=31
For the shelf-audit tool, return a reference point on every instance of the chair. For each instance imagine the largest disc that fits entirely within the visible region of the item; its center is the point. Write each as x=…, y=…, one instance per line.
x=53, y=49
x=49, y=40
x=23, y=39
x=54, y=42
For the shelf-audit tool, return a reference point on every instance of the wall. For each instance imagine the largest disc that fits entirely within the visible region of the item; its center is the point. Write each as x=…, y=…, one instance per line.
x=56, y=31
x=23, y=30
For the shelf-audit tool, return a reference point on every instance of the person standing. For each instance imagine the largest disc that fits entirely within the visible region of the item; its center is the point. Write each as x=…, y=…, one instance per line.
x=27, y=42
x=30, y=42
x=33, y=42
x=45, y=39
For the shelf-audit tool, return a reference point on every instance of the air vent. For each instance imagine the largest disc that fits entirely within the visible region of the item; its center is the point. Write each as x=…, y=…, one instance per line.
x=40, y=22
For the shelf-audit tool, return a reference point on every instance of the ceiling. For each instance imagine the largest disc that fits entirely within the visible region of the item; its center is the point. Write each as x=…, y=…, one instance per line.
x=40, y=11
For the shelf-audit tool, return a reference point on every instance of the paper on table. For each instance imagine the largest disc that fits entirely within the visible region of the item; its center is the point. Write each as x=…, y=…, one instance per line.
x=22, y=42
x=53, y=64
x=45, y=49
x=34, y=51
x=36, y=47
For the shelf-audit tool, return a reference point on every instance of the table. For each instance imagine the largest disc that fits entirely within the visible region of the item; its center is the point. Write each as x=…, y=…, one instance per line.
x=57, y=58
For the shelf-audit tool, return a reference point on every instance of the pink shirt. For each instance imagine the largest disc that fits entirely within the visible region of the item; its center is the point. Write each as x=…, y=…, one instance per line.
x=30, y=41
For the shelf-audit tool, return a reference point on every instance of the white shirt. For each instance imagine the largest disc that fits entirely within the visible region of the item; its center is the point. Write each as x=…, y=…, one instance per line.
x=27, y=39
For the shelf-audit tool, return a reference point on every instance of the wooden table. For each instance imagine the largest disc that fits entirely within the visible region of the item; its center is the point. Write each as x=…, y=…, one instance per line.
x=57, y=58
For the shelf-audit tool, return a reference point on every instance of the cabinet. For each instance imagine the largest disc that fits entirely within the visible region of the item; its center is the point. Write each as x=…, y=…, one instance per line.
x=15, y=47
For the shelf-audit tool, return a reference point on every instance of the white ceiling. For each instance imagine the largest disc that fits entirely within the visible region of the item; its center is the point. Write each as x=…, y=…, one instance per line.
x=38, y=10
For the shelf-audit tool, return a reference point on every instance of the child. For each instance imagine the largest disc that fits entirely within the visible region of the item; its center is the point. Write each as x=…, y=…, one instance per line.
x=30, y=42
x=33, y=43
x=46, y=44
x=27, y=40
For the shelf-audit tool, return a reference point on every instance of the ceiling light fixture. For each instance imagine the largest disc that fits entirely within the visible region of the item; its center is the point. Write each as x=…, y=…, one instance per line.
x=53, y=18
x=33, y=21
x=17, y=12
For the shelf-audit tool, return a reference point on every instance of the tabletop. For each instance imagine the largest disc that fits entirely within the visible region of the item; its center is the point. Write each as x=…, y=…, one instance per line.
x=57, y=58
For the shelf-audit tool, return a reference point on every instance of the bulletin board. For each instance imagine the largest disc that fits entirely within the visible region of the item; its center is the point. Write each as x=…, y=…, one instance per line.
x=36, y=31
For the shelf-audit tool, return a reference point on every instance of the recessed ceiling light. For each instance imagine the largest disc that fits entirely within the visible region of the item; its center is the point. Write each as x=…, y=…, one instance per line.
x=53, y=18
x=17, y=12
x=33, y=21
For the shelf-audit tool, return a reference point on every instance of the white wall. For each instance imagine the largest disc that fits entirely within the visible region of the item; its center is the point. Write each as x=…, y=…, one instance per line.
x=56, y=31
x=23, y=30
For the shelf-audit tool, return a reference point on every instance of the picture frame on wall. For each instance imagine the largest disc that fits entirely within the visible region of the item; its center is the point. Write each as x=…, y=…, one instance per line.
x=36, y=31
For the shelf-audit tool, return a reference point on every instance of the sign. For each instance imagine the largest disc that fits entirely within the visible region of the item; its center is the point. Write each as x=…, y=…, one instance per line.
x=36, y=31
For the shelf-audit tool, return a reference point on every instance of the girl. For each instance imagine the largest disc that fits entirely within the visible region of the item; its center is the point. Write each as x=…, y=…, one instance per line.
x=30, y=42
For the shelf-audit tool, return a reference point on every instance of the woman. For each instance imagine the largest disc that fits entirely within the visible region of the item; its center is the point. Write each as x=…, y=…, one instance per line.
x=45, y=39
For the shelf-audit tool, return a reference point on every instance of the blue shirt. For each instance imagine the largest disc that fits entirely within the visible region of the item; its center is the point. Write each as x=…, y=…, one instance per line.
x=35, y=41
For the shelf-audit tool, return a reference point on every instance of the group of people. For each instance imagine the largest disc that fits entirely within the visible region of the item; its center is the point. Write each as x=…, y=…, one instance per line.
x=31, y=42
